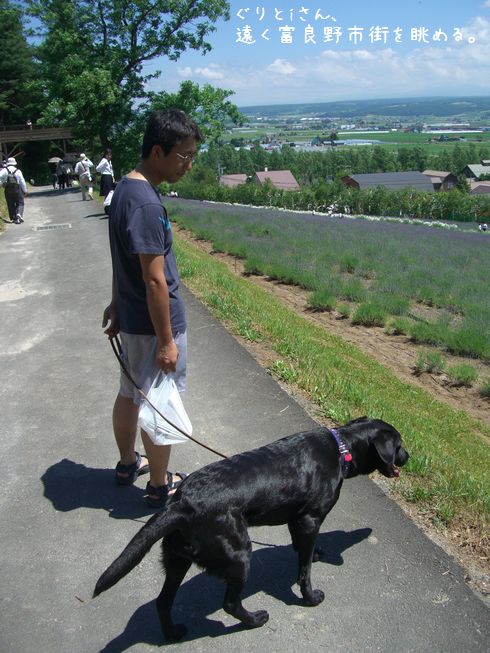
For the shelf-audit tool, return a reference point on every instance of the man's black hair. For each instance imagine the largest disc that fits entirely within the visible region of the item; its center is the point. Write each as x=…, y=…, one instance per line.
x=168, y=128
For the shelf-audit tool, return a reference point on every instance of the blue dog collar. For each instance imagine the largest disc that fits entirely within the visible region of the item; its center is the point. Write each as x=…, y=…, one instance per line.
x=345, y=454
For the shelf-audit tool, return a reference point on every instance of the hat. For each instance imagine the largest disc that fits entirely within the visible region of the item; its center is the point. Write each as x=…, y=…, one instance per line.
x=82, y=156
x=11, y=161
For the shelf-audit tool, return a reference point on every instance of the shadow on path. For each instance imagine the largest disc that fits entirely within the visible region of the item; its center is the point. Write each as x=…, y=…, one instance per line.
x=69, y=485
x=273, y=572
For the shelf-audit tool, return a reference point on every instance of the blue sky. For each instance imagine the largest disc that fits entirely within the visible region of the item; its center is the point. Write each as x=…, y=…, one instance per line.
x=276, y=52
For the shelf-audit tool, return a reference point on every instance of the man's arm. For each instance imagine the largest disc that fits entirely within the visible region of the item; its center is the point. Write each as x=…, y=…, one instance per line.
x=159, y=308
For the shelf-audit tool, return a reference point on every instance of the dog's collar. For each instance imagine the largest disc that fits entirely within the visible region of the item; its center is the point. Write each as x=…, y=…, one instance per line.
x=345, y=454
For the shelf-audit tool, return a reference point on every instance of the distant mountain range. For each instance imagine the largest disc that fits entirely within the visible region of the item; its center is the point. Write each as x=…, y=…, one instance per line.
x=463, y=108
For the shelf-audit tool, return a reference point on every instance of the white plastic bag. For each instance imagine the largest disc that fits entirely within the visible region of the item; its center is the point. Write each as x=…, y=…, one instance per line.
x=163, y=394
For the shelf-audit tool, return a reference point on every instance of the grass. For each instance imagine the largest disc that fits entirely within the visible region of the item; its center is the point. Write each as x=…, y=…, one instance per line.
x=462, y=375
x=448, y=474
x=394, y=267
x=429, y=361
x=3, y=211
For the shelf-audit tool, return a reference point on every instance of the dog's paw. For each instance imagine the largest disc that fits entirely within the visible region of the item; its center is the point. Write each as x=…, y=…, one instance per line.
x=257, y=619
x=314, y=598
x=174, y=634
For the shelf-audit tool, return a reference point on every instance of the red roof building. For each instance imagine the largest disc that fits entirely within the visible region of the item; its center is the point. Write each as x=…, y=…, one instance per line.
x=282, y=179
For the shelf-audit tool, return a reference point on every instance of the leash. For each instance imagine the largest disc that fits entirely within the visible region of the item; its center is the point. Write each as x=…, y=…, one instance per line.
x=117, y=349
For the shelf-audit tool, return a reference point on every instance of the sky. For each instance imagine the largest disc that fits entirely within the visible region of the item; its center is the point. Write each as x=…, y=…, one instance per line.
x=288, y=52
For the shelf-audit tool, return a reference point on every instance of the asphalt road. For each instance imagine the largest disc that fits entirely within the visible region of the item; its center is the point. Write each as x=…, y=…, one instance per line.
x=63, y=519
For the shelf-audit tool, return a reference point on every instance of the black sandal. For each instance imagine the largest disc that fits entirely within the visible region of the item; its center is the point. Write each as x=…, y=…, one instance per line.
x=160, y=494
x=131, y=472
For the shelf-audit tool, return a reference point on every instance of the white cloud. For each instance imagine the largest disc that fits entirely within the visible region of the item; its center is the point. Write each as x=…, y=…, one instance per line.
x=185, y=73
x=487, y=4
x=210, y=72
x=451, y=68
x=281, y=67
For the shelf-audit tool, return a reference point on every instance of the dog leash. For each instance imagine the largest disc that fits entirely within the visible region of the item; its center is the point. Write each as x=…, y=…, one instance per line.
x=117, y=349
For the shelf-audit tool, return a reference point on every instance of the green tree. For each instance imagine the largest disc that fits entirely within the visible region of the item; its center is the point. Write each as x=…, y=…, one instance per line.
x=93, y=53
x=20, y=91
x=209, y=106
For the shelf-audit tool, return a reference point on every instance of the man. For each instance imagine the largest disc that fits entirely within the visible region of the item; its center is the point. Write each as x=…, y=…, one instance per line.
x=82, y=169
x=146, y=307
x=15, y=188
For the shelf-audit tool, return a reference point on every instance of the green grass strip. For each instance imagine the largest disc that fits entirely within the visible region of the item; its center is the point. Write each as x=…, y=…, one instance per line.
x=448, y=473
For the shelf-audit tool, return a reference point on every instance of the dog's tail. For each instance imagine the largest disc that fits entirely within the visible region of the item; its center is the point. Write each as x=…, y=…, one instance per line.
x=155, y=528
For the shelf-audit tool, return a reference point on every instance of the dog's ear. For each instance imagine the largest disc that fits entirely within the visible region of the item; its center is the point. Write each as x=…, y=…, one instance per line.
x=384, y=443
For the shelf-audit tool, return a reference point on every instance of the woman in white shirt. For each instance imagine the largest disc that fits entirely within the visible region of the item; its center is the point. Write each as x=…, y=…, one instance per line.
x=106, y=173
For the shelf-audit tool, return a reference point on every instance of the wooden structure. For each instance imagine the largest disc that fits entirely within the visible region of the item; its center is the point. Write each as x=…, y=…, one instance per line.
x=12, y=138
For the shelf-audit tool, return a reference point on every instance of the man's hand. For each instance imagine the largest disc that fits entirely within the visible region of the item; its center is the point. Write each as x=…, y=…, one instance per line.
x=110, y=316
x=167, y=356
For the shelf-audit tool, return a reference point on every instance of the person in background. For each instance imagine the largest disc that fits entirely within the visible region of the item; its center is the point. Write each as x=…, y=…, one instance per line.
x=61, y=174
x=104, y=168
x=15, y=188
x=147, y=309
x=82, y=169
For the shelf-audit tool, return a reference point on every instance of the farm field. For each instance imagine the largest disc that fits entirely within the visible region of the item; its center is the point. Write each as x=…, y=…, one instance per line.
x=448, y=435
x=426, y=283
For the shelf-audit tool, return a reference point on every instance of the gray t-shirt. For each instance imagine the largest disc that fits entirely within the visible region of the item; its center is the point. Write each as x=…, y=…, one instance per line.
x=138, y=224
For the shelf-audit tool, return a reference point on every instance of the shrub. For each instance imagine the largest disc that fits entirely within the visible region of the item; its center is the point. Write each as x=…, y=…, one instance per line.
x=370, y=314
x=348, y=263
x=398, y=326
x=462, y=375
x=353, y=291
x=322, y=300
x=429, y=361
x=485, y=389
x=393, y=304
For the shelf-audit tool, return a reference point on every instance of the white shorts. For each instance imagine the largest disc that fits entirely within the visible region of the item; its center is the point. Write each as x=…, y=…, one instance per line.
x=138, y=354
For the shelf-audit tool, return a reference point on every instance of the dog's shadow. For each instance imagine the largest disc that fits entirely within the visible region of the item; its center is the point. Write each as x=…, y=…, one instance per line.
x=273, y=571
x=69, y=486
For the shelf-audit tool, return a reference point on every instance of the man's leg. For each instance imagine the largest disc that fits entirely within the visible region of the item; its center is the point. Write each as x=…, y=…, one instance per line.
x=10, y=206
x=19, y=209
x=158, y=457
x=124, y=421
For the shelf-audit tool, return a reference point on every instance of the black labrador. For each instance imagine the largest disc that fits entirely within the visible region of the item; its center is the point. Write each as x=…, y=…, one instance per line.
x=294, y=481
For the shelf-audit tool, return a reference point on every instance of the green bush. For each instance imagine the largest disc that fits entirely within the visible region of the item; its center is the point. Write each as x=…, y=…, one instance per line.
x=484, y=389
x=462, y=375
x=322, y=300
x=399, y=326
x=343, y=310
x=430, y=361
x=370, y=314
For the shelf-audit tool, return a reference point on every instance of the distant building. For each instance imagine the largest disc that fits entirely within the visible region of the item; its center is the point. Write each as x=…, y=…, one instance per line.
x=232, y=180
x=479, y=187
x=441, y=180
x=283, y=179
x=391, y=181
x=476, y=170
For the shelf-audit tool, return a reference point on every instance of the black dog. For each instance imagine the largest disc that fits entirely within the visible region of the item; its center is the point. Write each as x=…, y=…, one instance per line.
x=294, y=481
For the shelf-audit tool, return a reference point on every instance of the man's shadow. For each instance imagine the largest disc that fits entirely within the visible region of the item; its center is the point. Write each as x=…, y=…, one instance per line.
x=69, y=485
x=273, y=571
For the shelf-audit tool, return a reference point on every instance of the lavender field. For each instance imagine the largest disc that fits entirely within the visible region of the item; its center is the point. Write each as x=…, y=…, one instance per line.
x=387, y=267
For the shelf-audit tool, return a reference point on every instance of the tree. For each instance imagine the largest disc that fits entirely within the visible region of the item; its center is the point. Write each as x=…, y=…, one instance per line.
x=19, y=90
x=208, y=106
x=93, y=52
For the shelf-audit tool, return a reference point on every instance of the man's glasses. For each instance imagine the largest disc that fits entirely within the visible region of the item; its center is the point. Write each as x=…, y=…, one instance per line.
x=188, y=158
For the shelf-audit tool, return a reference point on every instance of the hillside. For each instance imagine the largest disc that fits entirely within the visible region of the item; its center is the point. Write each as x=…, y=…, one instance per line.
x=454, y=108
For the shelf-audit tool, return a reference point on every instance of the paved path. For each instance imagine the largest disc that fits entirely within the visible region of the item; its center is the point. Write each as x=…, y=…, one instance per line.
x=63, y=520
